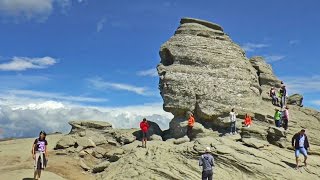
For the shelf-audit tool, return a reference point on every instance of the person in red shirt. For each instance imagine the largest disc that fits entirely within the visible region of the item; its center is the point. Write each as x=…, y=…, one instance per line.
x=144, y=126
x=191, y=122
x=247, y=120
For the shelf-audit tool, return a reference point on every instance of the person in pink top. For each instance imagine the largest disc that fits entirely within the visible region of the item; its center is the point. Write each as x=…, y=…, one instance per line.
x=285, y=118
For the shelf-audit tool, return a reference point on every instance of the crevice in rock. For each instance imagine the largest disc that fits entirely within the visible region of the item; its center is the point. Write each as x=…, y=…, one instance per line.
x=167, y=58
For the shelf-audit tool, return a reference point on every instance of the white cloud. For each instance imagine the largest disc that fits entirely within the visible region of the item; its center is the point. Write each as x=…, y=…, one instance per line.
x=150, y=72
x=301, y=84
x=294, y=42
x=38, y=10
x=274, y=58
x=100, y=84
x=27, y=9
x=24, y=63
x=100, y=24
x=250, y=47
x=38, y=116
x=21, y=80
x=28, y=94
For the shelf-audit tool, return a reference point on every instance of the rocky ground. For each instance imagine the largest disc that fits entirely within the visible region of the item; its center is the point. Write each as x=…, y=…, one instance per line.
x=201, y=71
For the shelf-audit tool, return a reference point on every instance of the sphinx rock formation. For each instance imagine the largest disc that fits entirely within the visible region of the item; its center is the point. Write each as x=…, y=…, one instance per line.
x=202, y=71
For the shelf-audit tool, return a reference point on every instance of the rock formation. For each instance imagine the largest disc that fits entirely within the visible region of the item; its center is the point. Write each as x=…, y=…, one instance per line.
x=202, y=71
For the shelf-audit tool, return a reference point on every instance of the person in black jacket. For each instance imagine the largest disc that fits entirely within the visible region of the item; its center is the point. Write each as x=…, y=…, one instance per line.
x=301, y=144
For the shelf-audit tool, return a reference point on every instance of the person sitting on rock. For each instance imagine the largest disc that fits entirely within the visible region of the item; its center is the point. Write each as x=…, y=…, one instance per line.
x=191, y=122
x=40, y=154
x=144, y=126
x=285, y=118
x=277, y=117
x=300, y=144
x=207, y=162
x=247, y=120
x=273, y=95
x=233, y=119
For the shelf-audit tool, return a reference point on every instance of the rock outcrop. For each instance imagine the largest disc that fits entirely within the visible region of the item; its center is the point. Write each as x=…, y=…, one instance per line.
x=204, y=72
x=295, y=99
x=267, y=79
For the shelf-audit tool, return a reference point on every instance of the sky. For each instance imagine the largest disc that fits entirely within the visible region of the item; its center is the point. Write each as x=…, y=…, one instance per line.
x=94, y=59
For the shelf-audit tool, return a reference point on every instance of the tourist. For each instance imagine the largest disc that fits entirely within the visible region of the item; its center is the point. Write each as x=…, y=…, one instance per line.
x=273, y=95
x=144, y=126
x=191, y=122
x=277, y=117
x=247, y=121
x=40, y=154
x=283, y=96
x=300, y=144
x=207, y=162
x=285, y=118
x=233, y=119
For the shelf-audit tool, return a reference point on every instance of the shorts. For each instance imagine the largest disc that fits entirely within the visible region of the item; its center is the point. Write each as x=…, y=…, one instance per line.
x=144, y=135
x=302, y=151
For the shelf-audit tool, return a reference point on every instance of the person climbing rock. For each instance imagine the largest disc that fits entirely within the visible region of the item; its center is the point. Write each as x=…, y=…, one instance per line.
x=144, y=126
x=283, y=96
x=285, y=118
x=300, y=144
x=207, y=162
x=40, y=154
x=247, y=120
x=277, y=117
x=273, y=95
x=191, y=122
x=233, y=119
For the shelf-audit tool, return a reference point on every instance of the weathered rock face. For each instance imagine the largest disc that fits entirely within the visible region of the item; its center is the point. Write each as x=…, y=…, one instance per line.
x=267, y=79
x=203, y=71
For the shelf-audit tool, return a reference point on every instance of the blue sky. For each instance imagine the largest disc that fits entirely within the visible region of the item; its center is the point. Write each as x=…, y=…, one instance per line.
x=104, y=53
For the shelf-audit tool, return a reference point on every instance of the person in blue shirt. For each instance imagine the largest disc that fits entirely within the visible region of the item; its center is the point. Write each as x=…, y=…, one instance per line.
x=301, y=144
x=207, y=162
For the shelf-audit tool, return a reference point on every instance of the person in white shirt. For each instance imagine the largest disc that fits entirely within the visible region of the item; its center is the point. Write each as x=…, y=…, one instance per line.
x=233, y=119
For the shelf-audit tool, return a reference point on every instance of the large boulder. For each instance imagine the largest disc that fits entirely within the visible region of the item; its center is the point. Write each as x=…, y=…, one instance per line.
x=202, y=70
x=179, y=126
x=85, y=142
x=295, y=99
x=124, y=136
x=277, y=136
x=65, y=142
x=154, y=129
x=78, y=126
x=100, y=167
x=257, y=132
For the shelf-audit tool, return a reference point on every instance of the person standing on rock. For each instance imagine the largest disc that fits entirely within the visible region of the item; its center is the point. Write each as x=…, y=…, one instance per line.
x=285, y=118
x=277, y=117
x=40, y=154
x=233, y=119
x=283, y=96
x=300, y=144
x=144, y=126
x=191, y=122
x=207, y=162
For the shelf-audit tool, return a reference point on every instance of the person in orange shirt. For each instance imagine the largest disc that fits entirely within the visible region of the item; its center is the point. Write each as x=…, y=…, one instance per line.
x=191, y=122
x=247, y=120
